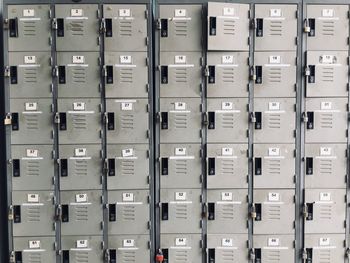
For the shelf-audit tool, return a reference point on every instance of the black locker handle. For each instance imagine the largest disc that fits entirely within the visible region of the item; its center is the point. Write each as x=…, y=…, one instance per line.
x=311, y=78
x=211, y=166
x=166, y=255
x=259, y=27
x=164, y=71
x=61, y=74
x=16, y=168
x=165, y=211
x=63, y=121
x=13, y=75
x=211, y=255
x=165, y=166
x=18, y=257
x=312, y=25
x=164, y=27
x=111, y=121
x=212, y=26
x=258, y=210
x=111, y=167
x=310, y=120
x=258, y=166
x=258, y=120
x=310, y=211
x=211, y=120
x=112, y=212
x=65, y=256
x=257, y=253
x=14, y=121
x=309, y=165
x=258, y=73
x=112, y=256
x=211, y=71
x=17, y=214
x=64, y=167
x=211, y=211
x=109, y=75
x=60, y=27
x=65, y=213
x=109, y=27
x=13, y=27
x=309, y=255
x=164, y=124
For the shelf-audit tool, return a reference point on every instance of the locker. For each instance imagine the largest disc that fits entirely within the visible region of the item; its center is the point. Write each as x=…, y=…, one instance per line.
x=274, y=120
x=326, y=120
x=78, y=116
x=275, y=27
x=29, y=27
x=275, y=211
x=326, y=208
x=30, y=75
x=81, y=212
x=32, y=121
x=128, y=121
x=32, y=167
x=274, y=165
x=227, y=208
x=78, y=74
x=227, y=120
x=180, y=120
x=275, y=74
x=77, y=27
x=228, y=74
x=32, y=213
x=227, y=166
x=128, y=166
x=180, y=74
x=181, y=211
x=180, y=27
x=180, y=163
x=128, y=212
x=80, y=167
x=329, y=27
x=126, y=74
x=125, y=27
x=228, y=26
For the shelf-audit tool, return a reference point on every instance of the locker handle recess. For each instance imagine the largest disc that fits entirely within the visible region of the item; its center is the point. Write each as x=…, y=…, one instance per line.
x=258, y=122
x=212, y=25
x=60, y=27
x=257, y=253
x=112, y=256
x=64, y=167
x=111, y=120
x=17, y=214
x=311, y=78
x=16, y=168
x=309, y=165
x=310, y=120
x=18, y=257
x=258, y=210
x=310, y=211
x=309, y=255
x=65, y=213
x=165, y=166
x=61, y=74
x=15, y=123
x=258, y=166
x=164, y=118
x=111, y=167
x=109, y=74
x=13, y=27
x=312, y=25
x=109, y=27
x=211, y=255
x=211, y=70
x=211, y=166
x=13, y=75
x=259, y=27
x=258, y=73
x=112, y=214
x=164, y=27
x=211, y=211
x=63, y=121
x=165, y=212
x=164, y=74
x=211, y=120
x=65, y=256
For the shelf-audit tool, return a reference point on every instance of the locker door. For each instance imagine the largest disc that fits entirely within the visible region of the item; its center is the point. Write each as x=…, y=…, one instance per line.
x=34, y=249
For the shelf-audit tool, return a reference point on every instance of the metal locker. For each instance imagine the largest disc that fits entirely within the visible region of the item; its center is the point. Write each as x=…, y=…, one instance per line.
x=227, y=120
x=126, y=74
x=128, y=212
x=180, y=27
x=328, y=27
x=228, y=208
x=326, y=120
x=228, y=26
x=78, y=74
x=275, y=74
x=80, y=167
x=127, y=120
x=77, y=117
x=180, y=74
x=32, y=167
x=128, y=166
x=181, y=211
x=275, y=27
x=273, y=211
x=125, y=27
x=29, y=27
x=32, y=213
x=77, y=27
x=274, y=120
x=227, y=166
x=180, y=163
x=228, y=74
x=324, y=211
x=274, y=165
x=325, y=165
x=81, y=212
x=180, y=120
x=31, y=121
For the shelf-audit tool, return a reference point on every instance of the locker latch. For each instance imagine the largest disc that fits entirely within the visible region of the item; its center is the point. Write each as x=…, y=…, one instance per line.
x=258, y=74
x=13, y=27
x=255, y=212
x=211, y=166
x=65, y=256
x=310, y=120
x=211, y=211
x=14, y=121
x=257, y=253
x=308, y=211
x=258, y=166
x=310, y=73
x=65, y=213
x=211, y=74
x=211, y=120
x=109, y=74
x=211, y=255
x=165, y=211
x=163, y=27
x=60, y=27
x=259, y=27
x=164, y=120
x=61, y=74
x=258, y=120
x=16, y=212
x=112, y=212
x=164, y=74
x=111, y=167
x=308, y=255
x=62, y=121
x=212, y=26
x=108, y=30
x=63, y=167
x=112, y=256
x=309, y=165
x=164, y=166
x=110, y=121
x=16, y=170
x=312, y=27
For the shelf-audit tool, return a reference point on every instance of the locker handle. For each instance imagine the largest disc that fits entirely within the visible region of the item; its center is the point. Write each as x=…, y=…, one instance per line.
x=211, y=211
x=109, y=27
x=164, y=27
x=111, y=121
x=112, y=256
x=64, y=167
x=258, y=74
x=60, y=27
x=63, y=121
x=310, y=212
x=112, y=212
x=165, y=166
x=309, y=255
x=164, y=74
x=13, y=27
x=65, y=213
x=18, y=257
x=309, y=165
x=212, y=26
x=14, y=122
x=211, y=76
x=211, y=120
x=310, y=120
x=258, y=166
x=61, y=74
x=109, y=74
x=312, y=26
x=258, y=211
x=311, y=77
x=165, y=211
x=211, y=166
x=164, y=120
x=17, y=214
x=211, y=255
x=257, y=253
x=16, y=168
x=258, y=120
x=111, y=167
x=13, y=75
x=259, y=27
x=65, y=256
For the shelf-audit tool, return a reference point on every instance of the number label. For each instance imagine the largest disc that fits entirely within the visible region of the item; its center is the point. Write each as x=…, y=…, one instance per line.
x=29, y=59
x=180, y=59
x=125, y=59
x=325, y=197
x=81, y=198
x=76, y=12
x=128, y=197
x=80, y=152
x=180, y=151
x=33, y=198
x=78, y=59
x=274, y=105
x=180, y=196
x=32, y=153
x=34, y=244
x=274, y=197
x=82, y=244
x=79, y=106
x=124, y=12
x=28, y=12
x=127, y=106
x=31, y=106
x=180, y=12
x=127, y=152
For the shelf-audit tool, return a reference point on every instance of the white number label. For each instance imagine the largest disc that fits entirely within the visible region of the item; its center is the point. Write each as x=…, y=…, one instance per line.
x=326, y=105
x=180, y=106
x=128, y=243
x=180, y=196
x=227, y=242
x=274, y=197
x=28, y=12
x=180, y=151
x=78, y=59
x=125, y=59
x=226, y=196
x=273, y=242
x=127, y=106
x=227, y=59
x=32, y=153
x=180, y=241
x=29, y=59
x=82, y=244
x=274, y=151
x=325, y=241
x=325, y=197
x=76, y=12
x=274, y=105
x=328, y=59
x=33, y=198
x=325, y=151
x=128, y=197
x=180, y=59
x=226, y=151
x=180, y=12
x=127, y=152
x=275, y=12
x=227, y=105
x=80, y=152
x=31, y=106
x=79, y=106
x=124, y=12
x=81, y=198
x=229, y=11
x=327, y=12
x=275, y=59
x=34, y=244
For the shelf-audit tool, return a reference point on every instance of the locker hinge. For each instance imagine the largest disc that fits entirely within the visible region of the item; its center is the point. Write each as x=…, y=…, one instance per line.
x=252, y=24
x=104, y=71
x=105, y=118
x=105, y=167
x=7, y=72
x=159, y=24
x=205, y=118
x=304, y=118
x=54, y=25
x=297, y=14
x=206, y=72
x=58, y=213
x=10, y=213
x=8, y=119
x=307, y=28
x=6, y=23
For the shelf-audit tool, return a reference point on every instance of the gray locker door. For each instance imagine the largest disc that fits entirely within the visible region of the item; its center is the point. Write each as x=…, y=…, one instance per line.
x=82, y=122
x=180, y=163
x=33, y=28
x=180, y=74
x=181, y=27
x=130, y=121
x=32, y=167
x=34, y=75
x=183, y=120
x=328, y=74
x=228, y=74
x=227, y=166
x=228, y=208
x=33, y=213
x=325, y=165
x=331, y=27
x=126, y=27
x=130, y=74
x=131, y=166
x=78, y=74
x=81, y=212
x=326, y=208
x=34, y=121
x=277, y=211
x=80, y=167
x=35, y=249
x=181, y=211
x=77, y=27
x=275, y=27
x=326, y=120
x=277, y=120
x=277, y=77
x=274, y=165
x=228, y=26
x=227, y=120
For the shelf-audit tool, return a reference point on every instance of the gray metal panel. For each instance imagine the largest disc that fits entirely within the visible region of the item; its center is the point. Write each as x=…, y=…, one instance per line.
x=37, y=249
